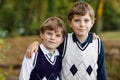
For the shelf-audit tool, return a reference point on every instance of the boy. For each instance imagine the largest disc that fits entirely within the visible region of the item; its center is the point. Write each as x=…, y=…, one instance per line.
x=46, y=63
x=82, y=56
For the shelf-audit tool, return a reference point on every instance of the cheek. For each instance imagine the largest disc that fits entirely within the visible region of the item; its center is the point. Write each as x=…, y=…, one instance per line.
x=91, y=25
x=44, y=37
x=73, y=25
x=60, y=40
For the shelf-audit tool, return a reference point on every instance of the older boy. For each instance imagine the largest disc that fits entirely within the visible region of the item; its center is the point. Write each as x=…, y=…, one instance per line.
x=46, y=63
x=83, y=56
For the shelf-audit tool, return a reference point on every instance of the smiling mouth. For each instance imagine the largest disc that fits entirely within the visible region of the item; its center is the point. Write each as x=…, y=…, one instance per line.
x=52, y=42
x=81, y=29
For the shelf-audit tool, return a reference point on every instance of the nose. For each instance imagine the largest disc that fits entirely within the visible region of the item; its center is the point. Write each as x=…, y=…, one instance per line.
x=53, y=36
x=81, y=24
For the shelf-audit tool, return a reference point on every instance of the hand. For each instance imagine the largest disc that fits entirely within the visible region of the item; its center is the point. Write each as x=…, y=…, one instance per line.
x=32, y=48
x=95, y=36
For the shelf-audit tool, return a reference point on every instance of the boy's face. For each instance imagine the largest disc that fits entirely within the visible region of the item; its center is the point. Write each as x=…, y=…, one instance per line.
x=52, y=39
x=81, y=25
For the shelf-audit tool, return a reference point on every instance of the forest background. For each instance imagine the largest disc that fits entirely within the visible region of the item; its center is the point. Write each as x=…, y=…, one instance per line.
x=20, y=22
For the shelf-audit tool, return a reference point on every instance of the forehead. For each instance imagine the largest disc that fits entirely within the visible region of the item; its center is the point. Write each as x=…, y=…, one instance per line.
x=57, y=30
x=86, y=16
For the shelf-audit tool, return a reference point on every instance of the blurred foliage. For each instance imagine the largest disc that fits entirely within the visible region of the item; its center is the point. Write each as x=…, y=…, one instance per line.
x=24, y=17
x=111, y=15
x=4, y=46
x=2, y=77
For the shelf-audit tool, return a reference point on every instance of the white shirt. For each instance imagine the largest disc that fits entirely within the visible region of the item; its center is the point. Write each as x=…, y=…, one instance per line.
x=27, y=64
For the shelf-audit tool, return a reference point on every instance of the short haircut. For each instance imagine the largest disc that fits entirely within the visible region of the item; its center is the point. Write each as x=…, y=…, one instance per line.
x=53, y=23
x=81, y=8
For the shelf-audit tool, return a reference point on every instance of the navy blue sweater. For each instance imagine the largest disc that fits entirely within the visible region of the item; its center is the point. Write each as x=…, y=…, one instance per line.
x=44, y=68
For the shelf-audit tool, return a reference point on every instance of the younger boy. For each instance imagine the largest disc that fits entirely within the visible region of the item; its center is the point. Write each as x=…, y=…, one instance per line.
x=46, y=63
x=82, y=56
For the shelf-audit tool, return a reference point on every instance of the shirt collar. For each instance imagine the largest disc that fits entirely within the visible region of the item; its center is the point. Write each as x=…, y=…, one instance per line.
x=89, y=39
x=45, y=51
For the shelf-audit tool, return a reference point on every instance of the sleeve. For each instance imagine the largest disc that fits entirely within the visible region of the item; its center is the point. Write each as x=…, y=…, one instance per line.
x=27, y=66
x=101, y=72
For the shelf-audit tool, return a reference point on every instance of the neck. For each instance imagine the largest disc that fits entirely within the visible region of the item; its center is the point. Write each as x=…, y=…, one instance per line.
x=51, y=50
x=82, y=38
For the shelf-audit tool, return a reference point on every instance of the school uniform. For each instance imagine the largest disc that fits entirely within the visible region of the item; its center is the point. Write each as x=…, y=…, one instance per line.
x=41, y=66
x=82, y=61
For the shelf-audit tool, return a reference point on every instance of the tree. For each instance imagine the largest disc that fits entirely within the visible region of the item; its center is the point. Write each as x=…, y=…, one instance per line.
x=99, y=13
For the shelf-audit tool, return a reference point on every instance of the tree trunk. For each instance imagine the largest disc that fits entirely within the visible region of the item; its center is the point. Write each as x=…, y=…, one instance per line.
x=99, y=12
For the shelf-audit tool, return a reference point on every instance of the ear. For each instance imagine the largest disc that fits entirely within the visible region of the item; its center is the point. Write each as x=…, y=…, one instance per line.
x=41, y=35
x=92, y=23
x=69, y=22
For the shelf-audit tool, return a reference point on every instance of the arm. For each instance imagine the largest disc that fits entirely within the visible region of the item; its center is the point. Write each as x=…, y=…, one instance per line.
x=101, y=72
x=27, y=66
x=32, y=48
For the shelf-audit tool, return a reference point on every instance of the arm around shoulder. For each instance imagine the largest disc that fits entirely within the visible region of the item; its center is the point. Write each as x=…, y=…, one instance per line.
x=32, y=48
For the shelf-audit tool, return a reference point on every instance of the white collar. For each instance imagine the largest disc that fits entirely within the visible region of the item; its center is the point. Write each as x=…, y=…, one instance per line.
x=45, y=51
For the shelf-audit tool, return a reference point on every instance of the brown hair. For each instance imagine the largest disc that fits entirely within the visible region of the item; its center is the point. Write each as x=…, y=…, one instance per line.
x=80, y=8
x=53, y=23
